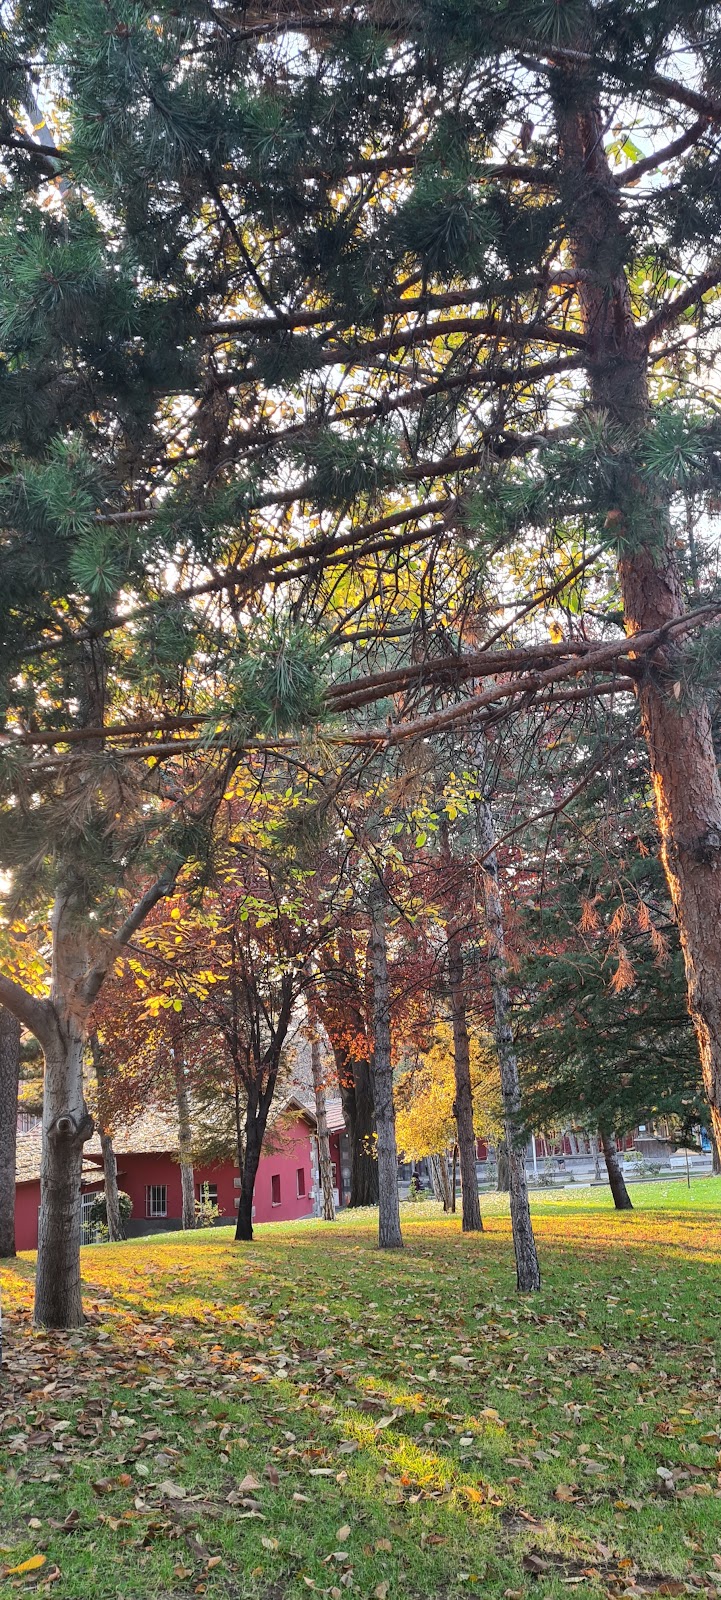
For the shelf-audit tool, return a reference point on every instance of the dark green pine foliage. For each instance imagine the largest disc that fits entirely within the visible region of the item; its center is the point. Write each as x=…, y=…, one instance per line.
x=605, y=1037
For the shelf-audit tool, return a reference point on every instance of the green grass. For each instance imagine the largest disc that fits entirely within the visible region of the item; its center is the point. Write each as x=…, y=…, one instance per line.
x=467, y=1441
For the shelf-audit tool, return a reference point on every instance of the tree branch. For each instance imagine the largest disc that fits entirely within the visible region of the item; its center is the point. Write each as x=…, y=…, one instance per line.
x=37, y=1016
x=671, y=151
x=683, y=302
x=163, y=886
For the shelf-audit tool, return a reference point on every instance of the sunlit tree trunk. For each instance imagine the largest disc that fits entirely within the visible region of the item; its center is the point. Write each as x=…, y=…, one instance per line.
x=389, y=1217
x=679, y=736
x=616, y=1180
x=9, y=1082
x=325, y=1165
x=185, y=1136
x=528, y=1273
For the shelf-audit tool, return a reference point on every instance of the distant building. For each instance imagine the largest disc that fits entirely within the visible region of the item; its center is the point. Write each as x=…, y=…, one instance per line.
x=286, y=1189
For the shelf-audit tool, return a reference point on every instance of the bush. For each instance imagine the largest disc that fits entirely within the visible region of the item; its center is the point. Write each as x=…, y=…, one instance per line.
x=99, y=1211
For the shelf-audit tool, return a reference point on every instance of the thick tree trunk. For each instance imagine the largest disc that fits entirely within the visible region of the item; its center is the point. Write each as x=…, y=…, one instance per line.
x=389, y=1217
x=116, y=1231
x=325, y=1165
x=528, y=1275
x=66, y=1126
x=463, y=1105
x=680, y=743
x=362, y=1137
x=185, y=1139
x=9, y=1082
x=617, y=1183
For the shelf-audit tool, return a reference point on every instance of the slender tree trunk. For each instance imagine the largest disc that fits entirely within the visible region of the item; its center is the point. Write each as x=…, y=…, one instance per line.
x=453, y=1179
x=66, y=1126
x=528, y=1273
x=9, y=1082
x=389, y=1217
x=715, y=1157
x=114, y=1220
x=116, y=1231
x=185, y=1139
x=596, y=1158
x=463, y=1105
x=617, y=1182
x=679, y=737
x=253, y=1145
x=325, y=1165
x=503, y=1181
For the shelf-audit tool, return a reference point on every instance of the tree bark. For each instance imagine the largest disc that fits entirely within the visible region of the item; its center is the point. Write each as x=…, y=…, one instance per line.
x=66, y=1126
x=389, y=1217
x=715, y=1157
x=503, y=1181
x=9, y=1083
x=528, y=1275
x=439, y=1178
x=463, y=1104
x=679, y=738
x=453, y=1178
x=185, y=1138
x=253, y=1146
x=617, y=1183
x=114, y=1221
x=325, y=1165
x=342, y=1011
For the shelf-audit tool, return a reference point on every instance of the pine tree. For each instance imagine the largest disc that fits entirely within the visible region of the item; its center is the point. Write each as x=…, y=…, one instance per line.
x=371, y=323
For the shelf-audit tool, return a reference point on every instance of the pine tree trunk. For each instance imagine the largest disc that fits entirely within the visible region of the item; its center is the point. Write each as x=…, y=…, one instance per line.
x=617, y=1182
x=528, y=1275
x=325, y=1165
x=9, y=1082
x=463, y=1105
x=185, y=1139
x=114, y=1220
x=116, y=1231
x=680, y=743
x=389, y=1217
x=66, y=1126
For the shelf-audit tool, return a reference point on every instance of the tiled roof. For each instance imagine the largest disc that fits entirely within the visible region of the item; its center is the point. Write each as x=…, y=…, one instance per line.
x=153, y=1133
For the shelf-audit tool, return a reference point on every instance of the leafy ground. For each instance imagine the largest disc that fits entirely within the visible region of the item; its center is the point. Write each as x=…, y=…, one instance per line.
x=305, y=1414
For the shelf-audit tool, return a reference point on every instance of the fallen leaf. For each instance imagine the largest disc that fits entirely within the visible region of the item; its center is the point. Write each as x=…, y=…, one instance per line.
x=33, y=1564
x=564, y=1491
x=249, y=1482
x=343, y=1533
x=381, y=1591
x=172, y=1491
x=269, y=1544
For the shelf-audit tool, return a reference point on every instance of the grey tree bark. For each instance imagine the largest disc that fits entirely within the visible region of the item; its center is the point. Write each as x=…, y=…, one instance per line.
x=463, y=1102
x=114, y=1220
x=528, y=1274
x=617, y=1182
x=185, y=1137
x=9, y=1082
x=325, y=1165
x=503, y=1181
x=438, y=1165
x=389, y=1217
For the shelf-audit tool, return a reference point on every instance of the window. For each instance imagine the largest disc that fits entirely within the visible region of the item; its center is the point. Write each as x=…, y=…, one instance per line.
x=207, y=1193
x=156, y=1200
x=275, y=1189
x=300, y=1182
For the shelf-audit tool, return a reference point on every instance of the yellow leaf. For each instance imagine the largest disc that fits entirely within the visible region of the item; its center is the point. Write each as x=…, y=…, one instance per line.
x=556, y=632
x=32, y=1565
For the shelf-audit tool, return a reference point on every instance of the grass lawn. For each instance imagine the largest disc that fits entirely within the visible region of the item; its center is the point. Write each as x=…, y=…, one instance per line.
x=305, y=1414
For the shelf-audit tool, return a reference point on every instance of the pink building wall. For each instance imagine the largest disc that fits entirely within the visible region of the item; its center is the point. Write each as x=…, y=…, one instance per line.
x=288, y=1154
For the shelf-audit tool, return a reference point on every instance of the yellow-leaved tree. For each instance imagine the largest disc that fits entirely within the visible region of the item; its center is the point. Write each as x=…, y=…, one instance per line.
x=425, y=1124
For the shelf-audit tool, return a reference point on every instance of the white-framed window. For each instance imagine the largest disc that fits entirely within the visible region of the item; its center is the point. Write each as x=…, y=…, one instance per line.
x=207, y=1193
x=300, y=1183
x=156, y=1200
x=275, y=1189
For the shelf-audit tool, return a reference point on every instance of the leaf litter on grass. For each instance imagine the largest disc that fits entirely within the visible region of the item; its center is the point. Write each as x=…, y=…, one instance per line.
x=224, y=1417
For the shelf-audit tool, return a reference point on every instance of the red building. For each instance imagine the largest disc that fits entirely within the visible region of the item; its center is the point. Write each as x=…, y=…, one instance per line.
x=286, y=1188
